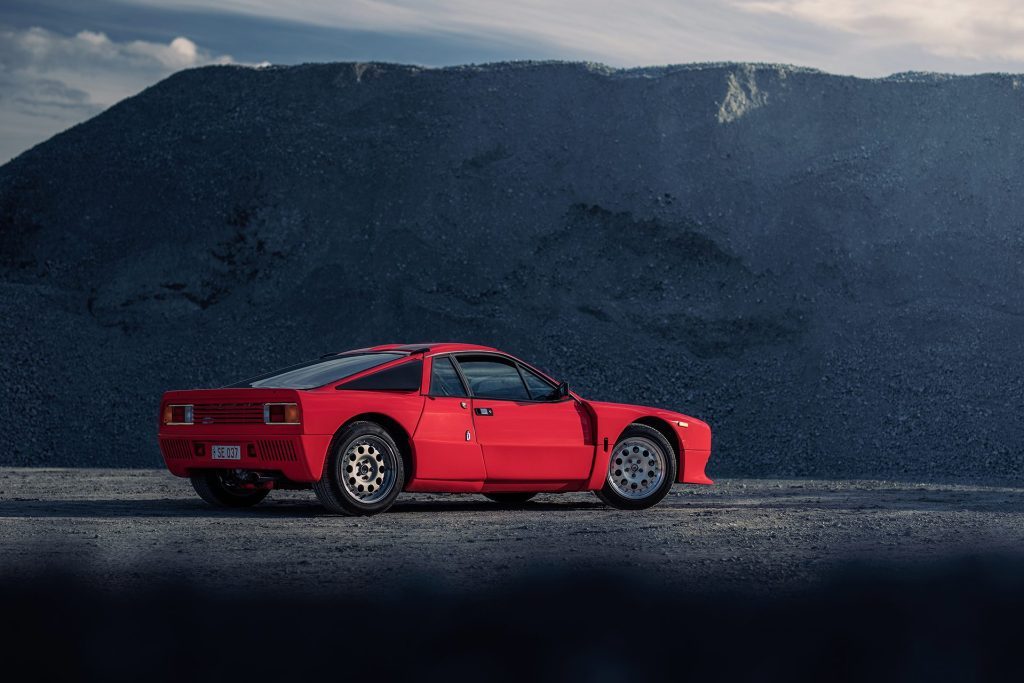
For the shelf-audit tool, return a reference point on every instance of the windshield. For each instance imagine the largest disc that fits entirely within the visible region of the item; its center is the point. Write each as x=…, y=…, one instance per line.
x=318, y=372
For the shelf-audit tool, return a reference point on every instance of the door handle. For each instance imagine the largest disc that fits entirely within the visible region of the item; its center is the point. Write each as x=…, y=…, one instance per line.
x=484, y=411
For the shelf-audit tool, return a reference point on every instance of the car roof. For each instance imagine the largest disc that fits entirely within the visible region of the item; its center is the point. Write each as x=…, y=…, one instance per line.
x=433, y=347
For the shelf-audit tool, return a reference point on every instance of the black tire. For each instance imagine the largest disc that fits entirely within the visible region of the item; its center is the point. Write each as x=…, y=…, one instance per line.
x=332, y=491
x=510, y=498
x=610, y=496
x=211, y=487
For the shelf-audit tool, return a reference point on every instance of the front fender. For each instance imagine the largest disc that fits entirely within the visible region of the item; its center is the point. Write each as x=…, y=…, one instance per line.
x=693, y=435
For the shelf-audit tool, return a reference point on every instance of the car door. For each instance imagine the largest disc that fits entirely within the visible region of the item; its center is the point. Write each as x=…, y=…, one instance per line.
x=525, y=435
x=446, y=445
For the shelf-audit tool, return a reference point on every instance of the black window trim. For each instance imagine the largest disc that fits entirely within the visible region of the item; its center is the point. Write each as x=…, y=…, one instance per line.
x=458, y=373
x=516, y=363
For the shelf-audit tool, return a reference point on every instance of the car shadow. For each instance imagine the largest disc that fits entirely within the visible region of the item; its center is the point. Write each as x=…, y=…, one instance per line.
x=794, y=498
x=486, y=506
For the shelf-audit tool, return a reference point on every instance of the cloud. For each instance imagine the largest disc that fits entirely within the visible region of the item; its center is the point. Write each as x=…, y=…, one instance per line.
x=969, y=29
x=612, y=31
x=50, y=81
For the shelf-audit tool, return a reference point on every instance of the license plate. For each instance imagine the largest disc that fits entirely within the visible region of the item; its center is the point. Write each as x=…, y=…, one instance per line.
x=226, y=452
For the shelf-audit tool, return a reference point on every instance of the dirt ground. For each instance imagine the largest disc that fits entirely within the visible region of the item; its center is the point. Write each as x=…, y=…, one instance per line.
x=122, y=527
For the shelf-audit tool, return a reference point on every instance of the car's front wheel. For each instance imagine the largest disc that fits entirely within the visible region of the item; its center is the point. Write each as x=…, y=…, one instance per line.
x=640, y=471
x=216, y=489
x=364, y=473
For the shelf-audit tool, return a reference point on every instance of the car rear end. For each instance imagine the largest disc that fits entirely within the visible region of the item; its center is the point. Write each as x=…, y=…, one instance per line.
x=257, y=433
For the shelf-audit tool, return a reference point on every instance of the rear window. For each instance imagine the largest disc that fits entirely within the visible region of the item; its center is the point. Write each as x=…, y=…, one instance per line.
x=318, y=372
x=402, y=377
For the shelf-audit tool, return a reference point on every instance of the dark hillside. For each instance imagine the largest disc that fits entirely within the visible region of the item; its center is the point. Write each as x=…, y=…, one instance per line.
x=827, y=269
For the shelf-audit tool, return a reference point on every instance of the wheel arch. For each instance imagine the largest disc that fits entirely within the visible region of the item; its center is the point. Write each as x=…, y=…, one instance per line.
x=402, y=437
x=666, y=430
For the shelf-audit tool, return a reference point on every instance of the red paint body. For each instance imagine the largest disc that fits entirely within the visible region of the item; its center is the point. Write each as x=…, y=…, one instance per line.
x=520, y=446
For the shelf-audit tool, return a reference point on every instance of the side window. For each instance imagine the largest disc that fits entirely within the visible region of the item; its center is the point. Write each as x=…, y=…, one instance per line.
x=404, y=377
x=444, y=381
x=493, y=378
x=540, y=388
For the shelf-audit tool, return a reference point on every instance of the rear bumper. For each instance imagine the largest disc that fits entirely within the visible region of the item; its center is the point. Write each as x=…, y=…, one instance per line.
x=292, y=455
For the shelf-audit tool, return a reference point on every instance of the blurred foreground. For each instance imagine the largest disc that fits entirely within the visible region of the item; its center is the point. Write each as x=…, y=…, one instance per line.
x=957, y=621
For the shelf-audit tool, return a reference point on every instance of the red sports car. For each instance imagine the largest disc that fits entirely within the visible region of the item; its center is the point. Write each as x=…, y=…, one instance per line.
x=359, y=427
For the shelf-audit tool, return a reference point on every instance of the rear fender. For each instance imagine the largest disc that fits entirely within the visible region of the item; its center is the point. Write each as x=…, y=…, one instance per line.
x=329, y=412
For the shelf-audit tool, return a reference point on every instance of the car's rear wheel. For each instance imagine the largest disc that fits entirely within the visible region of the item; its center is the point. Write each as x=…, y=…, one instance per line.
x=510, y=498
x=216, y=488
x=640, y=471
x=364, y=472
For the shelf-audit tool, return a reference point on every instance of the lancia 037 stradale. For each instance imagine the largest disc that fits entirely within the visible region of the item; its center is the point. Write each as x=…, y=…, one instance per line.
x=359, y=427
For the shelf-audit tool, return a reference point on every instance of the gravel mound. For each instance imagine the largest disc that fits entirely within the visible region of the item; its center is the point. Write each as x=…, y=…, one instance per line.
x=827, y=269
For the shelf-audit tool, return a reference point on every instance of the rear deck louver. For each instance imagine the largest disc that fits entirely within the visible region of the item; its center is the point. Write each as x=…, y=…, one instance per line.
x=227, y=413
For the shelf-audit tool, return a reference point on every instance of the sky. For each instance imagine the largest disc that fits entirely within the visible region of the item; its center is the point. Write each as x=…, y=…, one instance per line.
x=64, y=61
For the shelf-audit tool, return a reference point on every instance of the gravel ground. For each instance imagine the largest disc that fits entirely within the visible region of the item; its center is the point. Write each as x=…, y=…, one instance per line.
x=120, y=528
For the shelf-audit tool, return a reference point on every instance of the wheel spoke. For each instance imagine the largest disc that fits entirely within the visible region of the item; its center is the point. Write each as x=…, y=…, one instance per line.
x=370, y=469
x=638, y=468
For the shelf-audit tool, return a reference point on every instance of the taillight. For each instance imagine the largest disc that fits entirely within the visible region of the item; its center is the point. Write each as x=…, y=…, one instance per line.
x=177, y=414
x=281, y=413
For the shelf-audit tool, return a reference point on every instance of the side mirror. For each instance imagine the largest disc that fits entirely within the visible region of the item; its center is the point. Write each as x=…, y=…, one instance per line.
x=563, y=390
